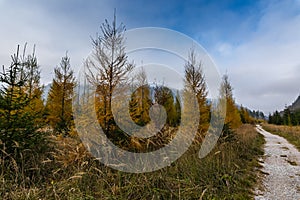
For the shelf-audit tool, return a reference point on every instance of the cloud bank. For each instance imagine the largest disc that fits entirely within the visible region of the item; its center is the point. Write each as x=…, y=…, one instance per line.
x=256, y=42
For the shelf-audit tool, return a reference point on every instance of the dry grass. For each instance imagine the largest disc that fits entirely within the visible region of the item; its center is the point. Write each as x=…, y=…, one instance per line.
x=67, y=171
x=291, y=133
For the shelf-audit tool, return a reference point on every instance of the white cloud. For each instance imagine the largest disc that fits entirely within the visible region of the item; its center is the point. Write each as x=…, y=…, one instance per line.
x=262, y=55
x=265, y=69
x=52, y=29
x=225, y=49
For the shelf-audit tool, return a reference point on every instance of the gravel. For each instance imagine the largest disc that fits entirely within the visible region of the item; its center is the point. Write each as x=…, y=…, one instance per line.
x=280, y=169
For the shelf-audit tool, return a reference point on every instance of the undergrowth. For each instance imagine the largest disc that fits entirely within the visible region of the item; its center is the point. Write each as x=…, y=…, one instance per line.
x=68, y=171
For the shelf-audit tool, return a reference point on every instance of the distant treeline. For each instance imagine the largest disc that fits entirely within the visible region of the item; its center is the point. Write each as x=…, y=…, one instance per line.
x=286, y=117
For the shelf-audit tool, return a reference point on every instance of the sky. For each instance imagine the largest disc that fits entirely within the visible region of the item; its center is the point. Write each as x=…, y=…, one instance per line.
x=255, y=42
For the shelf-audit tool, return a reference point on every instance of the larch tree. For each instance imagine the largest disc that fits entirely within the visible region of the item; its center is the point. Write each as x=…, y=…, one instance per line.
x=107, y=69
x=232, y=119
x=164, y=96
x=140, y=102
x=195, y=81
x=59, y=101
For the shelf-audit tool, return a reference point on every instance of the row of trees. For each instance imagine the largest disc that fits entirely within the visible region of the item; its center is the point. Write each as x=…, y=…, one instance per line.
x=109, y=68
x=248, y=116
x=287, y=117
x=24, y=114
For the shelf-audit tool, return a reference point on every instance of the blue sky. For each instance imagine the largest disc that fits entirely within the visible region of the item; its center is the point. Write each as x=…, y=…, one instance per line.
x=256, y=42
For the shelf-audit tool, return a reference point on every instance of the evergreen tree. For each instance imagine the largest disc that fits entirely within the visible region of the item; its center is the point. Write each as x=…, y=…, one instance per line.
x=287, y=117
x=294, y=121
x=33, y=88
x=277, y=119
x=59, y=101
x=18, y=127
x=296, y=118
x=270, y=119
x=262, y=115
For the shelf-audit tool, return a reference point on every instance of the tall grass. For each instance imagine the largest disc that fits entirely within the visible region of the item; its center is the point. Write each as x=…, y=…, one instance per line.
x=67, y=171
x=291, y=133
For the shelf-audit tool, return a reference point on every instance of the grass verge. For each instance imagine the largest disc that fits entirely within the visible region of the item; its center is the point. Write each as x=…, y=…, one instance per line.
x=68, y=171
x=291, y=133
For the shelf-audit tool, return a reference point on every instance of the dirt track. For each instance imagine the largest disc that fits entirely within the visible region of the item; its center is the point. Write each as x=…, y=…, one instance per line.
x=281, y=169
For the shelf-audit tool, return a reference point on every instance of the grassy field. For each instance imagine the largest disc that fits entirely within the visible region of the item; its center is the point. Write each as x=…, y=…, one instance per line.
x=67, y=171
x=291, y=133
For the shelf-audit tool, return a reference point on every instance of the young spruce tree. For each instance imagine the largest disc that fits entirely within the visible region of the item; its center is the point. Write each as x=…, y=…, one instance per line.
x=18, y=116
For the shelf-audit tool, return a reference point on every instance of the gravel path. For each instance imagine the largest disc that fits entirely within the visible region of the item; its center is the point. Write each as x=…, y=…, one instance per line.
x=281, y=169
